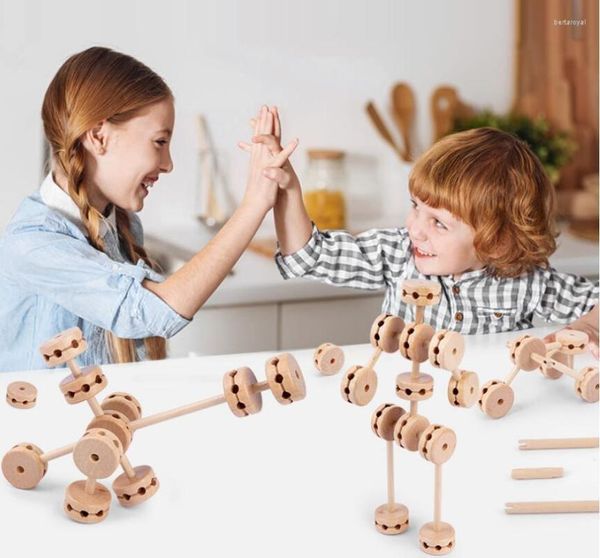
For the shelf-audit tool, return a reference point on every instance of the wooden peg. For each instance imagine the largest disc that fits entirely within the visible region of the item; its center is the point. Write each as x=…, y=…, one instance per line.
x=567, y=506
x=557, y=443
x=21, y=395
x=527, y=473
x=496, y=398
x=328, y=359
x=385, y=332
x=359, y=385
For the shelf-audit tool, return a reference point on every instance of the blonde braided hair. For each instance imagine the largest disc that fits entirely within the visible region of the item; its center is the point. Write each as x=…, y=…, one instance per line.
x=92, y=86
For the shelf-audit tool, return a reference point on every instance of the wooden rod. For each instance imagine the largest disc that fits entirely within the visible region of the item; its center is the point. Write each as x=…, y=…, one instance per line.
x=537, y=473
x=437, y=498
x=555, y=364
x=557, y=443
x=260, y=386
x=54, y=454
x=374, y=358
x=90, y=485
x=177, y=412
x=390, y=474
x=75, y=370
x=566, y=506
x=512, y=375
x=553, y=346
x=420, y=314
x=455, y=374
x=414, y=408
x=125, y=463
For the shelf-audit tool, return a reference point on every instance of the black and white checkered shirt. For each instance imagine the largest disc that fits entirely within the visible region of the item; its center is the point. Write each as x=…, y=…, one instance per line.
x=475, y=303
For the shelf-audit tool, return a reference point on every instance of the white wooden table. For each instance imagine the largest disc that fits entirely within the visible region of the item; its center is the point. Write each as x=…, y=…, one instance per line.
x=304, y=480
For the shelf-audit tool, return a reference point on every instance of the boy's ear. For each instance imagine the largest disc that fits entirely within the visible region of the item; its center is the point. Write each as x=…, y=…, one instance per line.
x=95, y=139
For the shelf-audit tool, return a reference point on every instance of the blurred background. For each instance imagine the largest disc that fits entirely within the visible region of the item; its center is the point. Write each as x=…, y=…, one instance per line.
x=366, y=86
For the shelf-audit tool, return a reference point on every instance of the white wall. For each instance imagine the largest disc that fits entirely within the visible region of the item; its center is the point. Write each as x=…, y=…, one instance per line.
x=319, y=60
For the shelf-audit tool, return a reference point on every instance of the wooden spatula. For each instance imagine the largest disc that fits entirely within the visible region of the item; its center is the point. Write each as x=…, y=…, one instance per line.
x=443, y=107
x=403, y=110
x=382, y=128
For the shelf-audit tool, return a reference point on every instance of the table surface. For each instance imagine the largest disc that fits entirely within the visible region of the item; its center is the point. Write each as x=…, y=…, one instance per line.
x=305, y=479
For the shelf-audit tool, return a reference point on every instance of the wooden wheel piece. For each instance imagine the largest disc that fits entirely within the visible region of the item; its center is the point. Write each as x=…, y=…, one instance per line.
x=23, y=467
x=586, y=384
x=523, y=348
x=420, y=293
x=98, y=453
x=552, y=373
x=21, y=395
x=131, y=492
x=391, y=520
x=86, y=508
x=408, y=430
x=437, y=540
x=384, y=419
x=359, y=385
x=123, y=403
x=63, y=347
x=414, y=341
x=496, y=398
x=328, y=359
x=285, y=379
x=414, y=389
x=116, y=423
x=385, y=332
x=573, y=341
x=91, y=382
x=238, y=388
x=437, y=443
x=464, y=391
x=446, y=350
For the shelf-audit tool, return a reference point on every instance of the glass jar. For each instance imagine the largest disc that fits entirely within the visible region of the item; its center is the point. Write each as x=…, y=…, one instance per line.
x=324, y=188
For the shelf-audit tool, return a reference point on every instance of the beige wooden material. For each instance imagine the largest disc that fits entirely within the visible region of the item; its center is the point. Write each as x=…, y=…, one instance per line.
x=133, y=491
x=98, y=453
x=23, y=467
x=554, y=353
x=384, y=420
x=524, y=350
x=328, y=359
x=414, y=389
x=116, y=423
x=391, y=520
x=59, y=452
x=496, y=399
x=464, y=391
x=238, y=388
x=557, y=443
x=86, y=508
x=544, y=360
x=573, y=342
x=21, y=395
x=420, y=293
x=63, y=347
x=359, y=385
x=285, y=378
x=443, y=105
x=414, y=341
x=123, y=403
x=437, y=444
x=513, y=374
x=437, y=539
x=86, y=386
x=403, y=111
x=385, y=332
x=587, y=385
x=408, y=430
x=526, y=473
x=374, y=358
x=567, y=506
x=554, y=346
x=380, y=126
x=446, y=349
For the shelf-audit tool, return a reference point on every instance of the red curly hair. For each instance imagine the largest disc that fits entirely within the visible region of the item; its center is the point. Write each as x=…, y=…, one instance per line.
x=493, y=182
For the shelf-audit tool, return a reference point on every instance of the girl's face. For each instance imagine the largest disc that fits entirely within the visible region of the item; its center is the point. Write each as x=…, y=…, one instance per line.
x=126, y=159
x=441, y=243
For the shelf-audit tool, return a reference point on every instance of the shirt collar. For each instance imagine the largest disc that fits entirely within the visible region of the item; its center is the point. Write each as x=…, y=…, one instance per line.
x=56, y=198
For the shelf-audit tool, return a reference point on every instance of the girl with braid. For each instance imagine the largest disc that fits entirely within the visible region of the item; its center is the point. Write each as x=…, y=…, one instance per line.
x=73, y=255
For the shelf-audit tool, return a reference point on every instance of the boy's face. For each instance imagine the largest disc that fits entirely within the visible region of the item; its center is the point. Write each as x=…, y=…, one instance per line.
x=441, y=243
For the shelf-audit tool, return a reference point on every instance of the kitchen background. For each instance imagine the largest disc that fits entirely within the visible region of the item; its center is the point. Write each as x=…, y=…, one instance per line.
x=320, y=62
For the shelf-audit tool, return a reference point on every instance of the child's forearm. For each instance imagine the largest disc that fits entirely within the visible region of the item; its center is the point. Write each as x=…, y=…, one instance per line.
x=292, y=223
x=588, y=323
x=186, y=290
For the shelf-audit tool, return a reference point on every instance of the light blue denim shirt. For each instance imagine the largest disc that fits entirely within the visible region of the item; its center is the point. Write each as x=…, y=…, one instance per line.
x=52, y=279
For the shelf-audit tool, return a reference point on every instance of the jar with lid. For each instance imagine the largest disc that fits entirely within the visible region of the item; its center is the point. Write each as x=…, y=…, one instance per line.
x=324, y=188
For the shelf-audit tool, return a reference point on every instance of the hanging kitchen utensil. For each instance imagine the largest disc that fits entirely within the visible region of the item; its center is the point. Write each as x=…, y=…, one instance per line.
x=403, y=110
x=444, y=102
x=380, y=126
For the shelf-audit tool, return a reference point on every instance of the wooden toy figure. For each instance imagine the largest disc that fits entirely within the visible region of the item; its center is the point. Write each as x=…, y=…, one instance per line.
x=102, y=448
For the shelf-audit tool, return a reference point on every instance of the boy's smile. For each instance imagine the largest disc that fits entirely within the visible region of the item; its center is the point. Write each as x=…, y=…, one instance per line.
x=441, y=243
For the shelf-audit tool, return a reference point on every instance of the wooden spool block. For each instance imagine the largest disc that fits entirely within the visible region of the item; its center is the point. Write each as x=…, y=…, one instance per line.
x=238, y=388
x=22, y=466
x=437, y=443
x=391, y=520
x=91, y=382
x=359, y=385
x=437, y=541
x=385, y=332
x=328, y=359
x=98, y=453
x=414, y=389
x=547, y=370
x=573, y=342
x=285, y=379
x=586, y=384
x=131, y=492
x=116, y=423
x=446, y=350
x=384, y=419
x=21, y=395
x=408, y=430
x=464, y=391
x=86, y=508
x=63, y=347
x=523, y=348
x=496, y=398
x=420, y=293
x=414, y=341
x=123, y=403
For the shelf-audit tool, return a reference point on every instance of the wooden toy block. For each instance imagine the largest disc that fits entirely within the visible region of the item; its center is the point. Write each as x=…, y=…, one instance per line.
x=328, y=359
x=414, y=388
x=359, y=385
x=98, y=453
x=81, y=388
x=408, y=430
x=496, y=398
x=131, y=491
x=123, y=403
x=21, y=395
x=420, y=293
x=86, y=506
x=238, y=387
x=463, y=390
x=446, y=349
x=385, y=332
x=23, y=466
x=414, y=341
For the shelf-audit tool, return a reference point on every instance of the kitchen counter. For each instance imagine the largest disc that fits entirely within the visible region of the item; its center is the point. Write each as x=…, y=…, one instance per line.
x=304, y=479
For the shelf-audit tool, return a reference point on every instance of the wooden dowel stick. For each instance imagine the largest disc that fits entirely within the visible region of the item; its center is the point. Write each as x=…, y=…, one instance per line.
x=125, y=463
x=552, y=346
x=570, y=361
x=537, y=473
x=90, y=485
x=557, y=443
x=414, y=408
x=419, y=314
x=177, y=412
x=455, y=374
x=573, y=506
x=374, y=358
x=75, y=370
x=512, y=375
x=55, y=454
x=555, y=364
x=390, y=474
x=260, y=386
x=437, y=498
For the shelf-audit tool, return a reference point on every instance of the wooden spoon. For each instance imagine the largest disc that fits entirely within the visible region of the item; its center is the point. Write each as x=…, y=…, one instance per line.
x=403, y=110
x=382, y=128
x=443, y=107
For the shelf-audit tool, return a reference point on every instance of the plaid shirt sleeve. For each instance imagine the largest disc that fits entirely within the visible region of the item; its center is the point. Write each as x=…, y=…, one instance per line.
x=566, y=297
x=370, y=260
